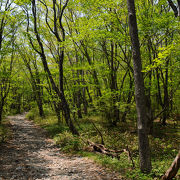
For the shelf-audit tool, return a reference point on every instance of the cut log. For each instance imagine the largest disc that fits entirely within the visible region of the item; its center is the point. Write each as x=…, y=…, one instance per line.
x=172, y=171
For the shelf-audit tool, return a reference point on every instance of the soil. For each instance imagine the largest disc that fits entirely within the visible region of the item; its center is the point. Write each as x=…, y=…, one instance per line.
x=30, y=155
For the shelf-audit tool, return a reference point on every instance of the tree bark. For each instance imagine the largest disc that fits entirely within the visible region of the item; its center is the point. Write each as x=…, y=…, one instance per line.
x=144, y=149
x=172, y=171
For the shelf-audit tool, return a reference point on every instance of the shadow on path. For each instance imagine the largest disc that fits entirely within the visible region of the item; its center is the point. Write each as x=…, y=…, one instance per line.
x=30, y=155
x=20, y=157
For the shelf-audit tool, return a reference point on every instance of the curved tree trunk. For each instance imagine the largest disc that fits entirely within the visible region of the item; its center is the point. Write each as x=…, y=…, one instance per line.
x=59, y=91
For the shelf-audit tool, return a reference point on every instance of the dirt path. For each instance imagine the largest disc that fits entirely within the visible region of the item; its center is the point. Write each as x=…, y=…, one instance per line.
x=29, y=155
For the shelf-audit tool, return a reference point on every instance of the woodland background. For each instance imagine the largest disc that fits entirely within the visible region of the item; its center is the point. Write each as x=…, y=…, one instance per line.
x=69, y=65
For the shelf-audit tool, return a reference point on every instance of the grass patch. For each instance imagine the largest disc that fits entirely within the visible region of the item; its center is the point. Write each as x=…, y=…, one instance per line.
x=49, y=122
x=164, y=144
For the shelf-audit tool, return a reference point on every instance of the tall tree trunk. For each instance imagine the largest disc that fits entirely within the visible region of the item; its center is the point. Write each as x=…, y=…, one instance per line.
x=41, y=52
x=113, y=86
x=144, y=149
x=65, y=105
x=148, y=97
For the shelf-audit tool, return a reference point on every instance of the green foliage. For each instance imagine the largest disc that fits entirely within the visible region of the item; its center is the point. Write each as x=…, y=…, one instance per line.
x=32, y=114
x=164, y=143
x=68, y=142
x=97, y=52
x=162, y=57
x=5, y=131
x=22, y=2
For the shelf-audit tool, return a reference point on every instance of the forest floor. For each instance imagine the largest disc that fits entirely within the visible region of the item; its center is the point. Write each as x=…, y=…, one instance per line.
x=30, y=155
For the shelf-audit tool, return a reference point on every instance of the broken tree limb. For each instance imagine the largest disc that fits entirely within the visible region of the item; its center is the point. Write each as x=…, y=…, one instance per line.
x=172, y=171
x=129, y=156
x=109, y=152
x=101, y=149
x=102, y=139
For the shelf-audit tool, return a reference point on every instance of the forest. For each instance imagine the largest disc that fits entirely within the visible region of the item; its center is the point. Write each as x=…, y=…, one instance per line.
x=101, y=77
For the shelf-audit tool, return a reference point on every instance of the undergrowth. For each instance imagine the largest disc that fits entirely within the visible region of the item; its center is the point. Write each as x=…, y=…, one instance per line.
x=164, y=143
x=5, y=131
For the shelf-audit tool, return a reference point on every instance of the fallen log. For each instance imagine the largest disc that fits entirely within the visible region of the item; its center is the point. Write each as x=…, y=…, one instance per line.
x=109, y=152
x=172, y=171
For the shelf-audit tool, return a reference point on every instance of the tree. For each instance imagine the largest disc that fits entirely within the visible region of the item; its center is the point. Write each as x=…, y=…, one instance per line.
x=7, y=53
x=30, y=60
x=144, y=149
x=60, y=51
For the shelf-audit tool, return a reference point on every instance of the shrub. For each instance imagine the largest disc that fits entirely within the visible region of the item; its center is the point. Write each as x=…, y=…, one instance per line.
x=68, y=142
x=32, y=114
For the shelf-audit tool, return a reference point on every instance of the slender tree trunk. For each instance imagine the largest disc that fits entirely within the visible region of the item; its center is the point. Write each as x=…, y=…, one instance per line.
x=35, y=81
x=159, y=89
x=57, y=109
x=18, y=105
x=113, y=86
x=166, y=96
x=79, y=104
x=144, y=149
x=130, y=95
x=148, y=98
x=1, y=109
x=89, y=95
x=94, y=73
x=39, y=91
x=85, y=103
x=41, y=52
x=78, y=94
x=65, y=105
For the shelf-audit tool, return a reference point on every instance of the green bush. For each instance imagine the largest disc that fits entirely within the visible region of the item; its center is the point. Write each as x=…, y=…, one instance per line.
x=5, y=131
x=68, y=142
x=32, y=114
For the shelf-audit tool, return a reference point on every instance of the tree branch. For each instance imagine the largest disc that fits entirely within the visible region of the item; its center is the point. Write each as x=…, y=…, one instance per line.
x=174, y=8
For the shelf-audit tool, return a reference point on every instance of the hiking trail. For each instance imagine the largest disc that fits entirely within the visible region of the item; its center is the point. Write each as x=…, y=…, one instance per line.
x=30, y=155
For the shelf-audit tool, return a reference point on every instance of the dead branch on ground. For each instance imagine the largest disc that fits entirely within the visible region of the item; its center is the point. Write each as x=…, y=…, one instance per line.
x=109, y=152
